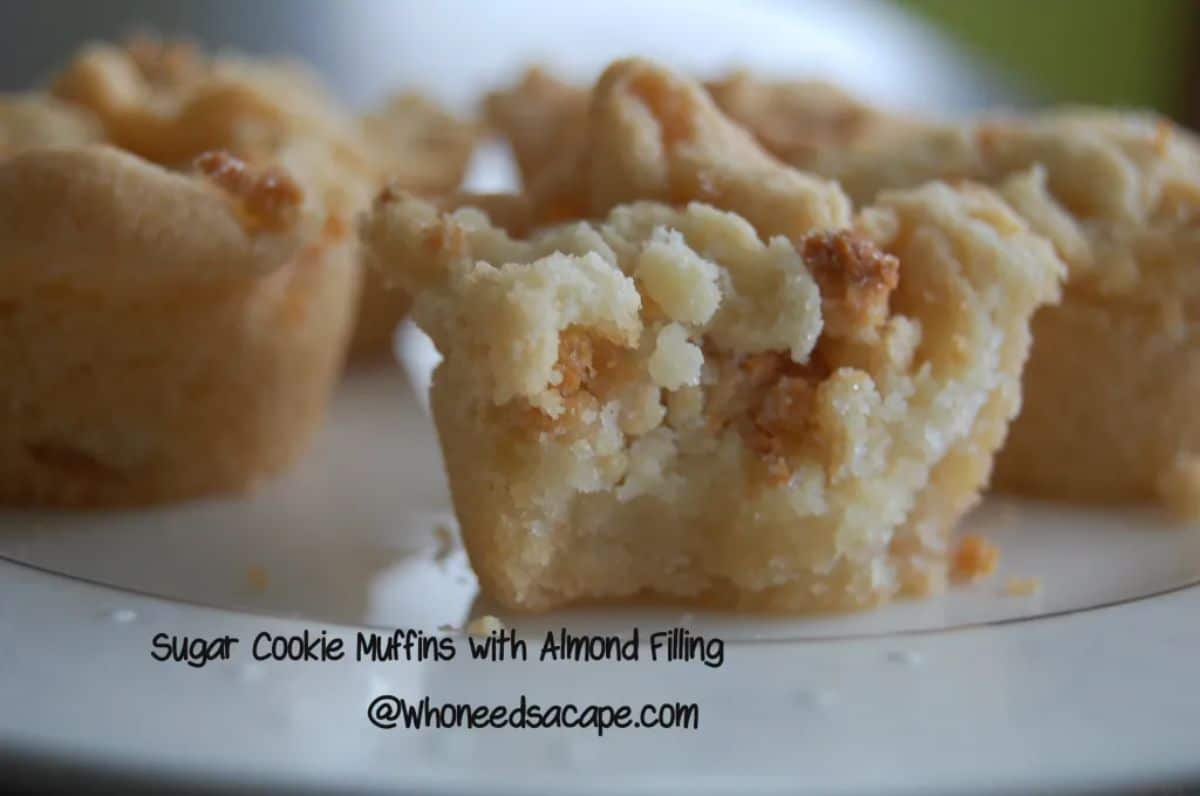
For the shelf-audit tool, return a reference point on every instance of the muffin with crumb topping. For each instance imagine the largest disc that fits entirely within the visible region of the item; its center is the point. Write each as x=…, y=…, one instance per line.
x=689, y=372
x=168, y=101
x=177, y=284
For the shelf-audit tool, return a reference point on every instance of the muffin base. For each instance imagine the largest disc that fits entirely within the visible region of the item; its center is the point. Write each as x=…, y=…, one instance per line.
x=159, y=396
x=1110, y=403
x=380, y=311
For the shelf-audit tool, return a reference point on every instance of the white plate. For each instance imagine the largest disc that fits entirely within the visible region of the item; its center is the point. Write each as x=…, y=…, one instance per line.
x=1088, y=683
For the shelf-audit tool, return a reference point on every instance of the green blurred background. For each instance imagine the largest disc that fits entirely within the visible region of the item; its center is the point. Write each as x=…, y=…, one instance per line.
x=1140, y=53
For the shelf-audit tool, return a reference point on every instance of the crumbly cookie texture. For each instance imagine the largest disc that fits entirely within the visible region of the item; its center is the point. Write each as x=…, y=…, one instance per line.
x=167, y=330
x=797, y=120
x=421, y=148
x=647, y=133
x=799, y=403
x=168, y=102
x=540, y=117
x=1118, y=194
x=655, y=135
x=783, y=410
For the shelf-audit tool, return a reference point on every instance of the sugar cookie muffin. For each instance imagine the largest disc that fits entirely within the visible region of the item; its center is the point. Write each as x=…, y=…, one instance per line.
x=768, y=405
x=164, y=332
x=1118, y=194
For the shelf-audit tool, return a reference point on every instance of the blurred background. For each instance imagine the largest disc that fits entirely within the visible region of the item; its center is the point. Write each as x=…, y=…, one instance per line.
x=943, y=55
x=1141, y=53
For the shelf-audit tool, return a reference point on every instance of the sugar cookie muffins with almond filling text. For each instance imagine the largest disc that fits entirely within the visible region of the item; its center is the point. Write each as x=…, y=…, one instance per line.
x=721, y=386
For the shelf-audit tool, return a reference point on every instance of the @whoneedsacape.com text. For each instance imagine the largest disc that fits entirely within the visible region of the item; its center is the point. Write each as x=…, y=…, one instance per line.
x=389, y=711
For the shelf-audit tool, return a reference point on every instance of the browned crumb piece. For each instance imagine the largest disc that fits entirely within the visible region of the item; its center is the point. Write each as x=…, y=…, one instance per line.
x=1022, y=587
x=269, y=198
x=856, y=278
x=974, y=558
x=773, y=397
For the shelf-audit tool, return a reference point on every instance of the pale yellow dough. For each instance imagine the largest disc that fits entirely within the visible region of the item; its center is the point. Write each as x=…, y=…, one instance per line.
x=416, y=146
x=1112, y=389
x=725, y=388
x=168, y=102
x=165, y=333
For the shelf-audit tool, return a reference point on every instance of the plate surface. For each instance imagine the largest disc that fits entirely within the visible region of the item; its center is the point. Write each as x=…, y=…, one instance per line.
x=973, y=689
x=1088, y=683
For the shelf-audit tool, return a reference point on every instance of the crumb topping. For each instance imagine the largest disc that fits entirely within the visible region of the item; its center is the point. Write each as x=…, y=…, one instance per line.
x=856, y=278
x=653, y=135
x=167, y=102
x=669, y=107
x=1117, y=193
x=267, y=199
x=794, y=120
